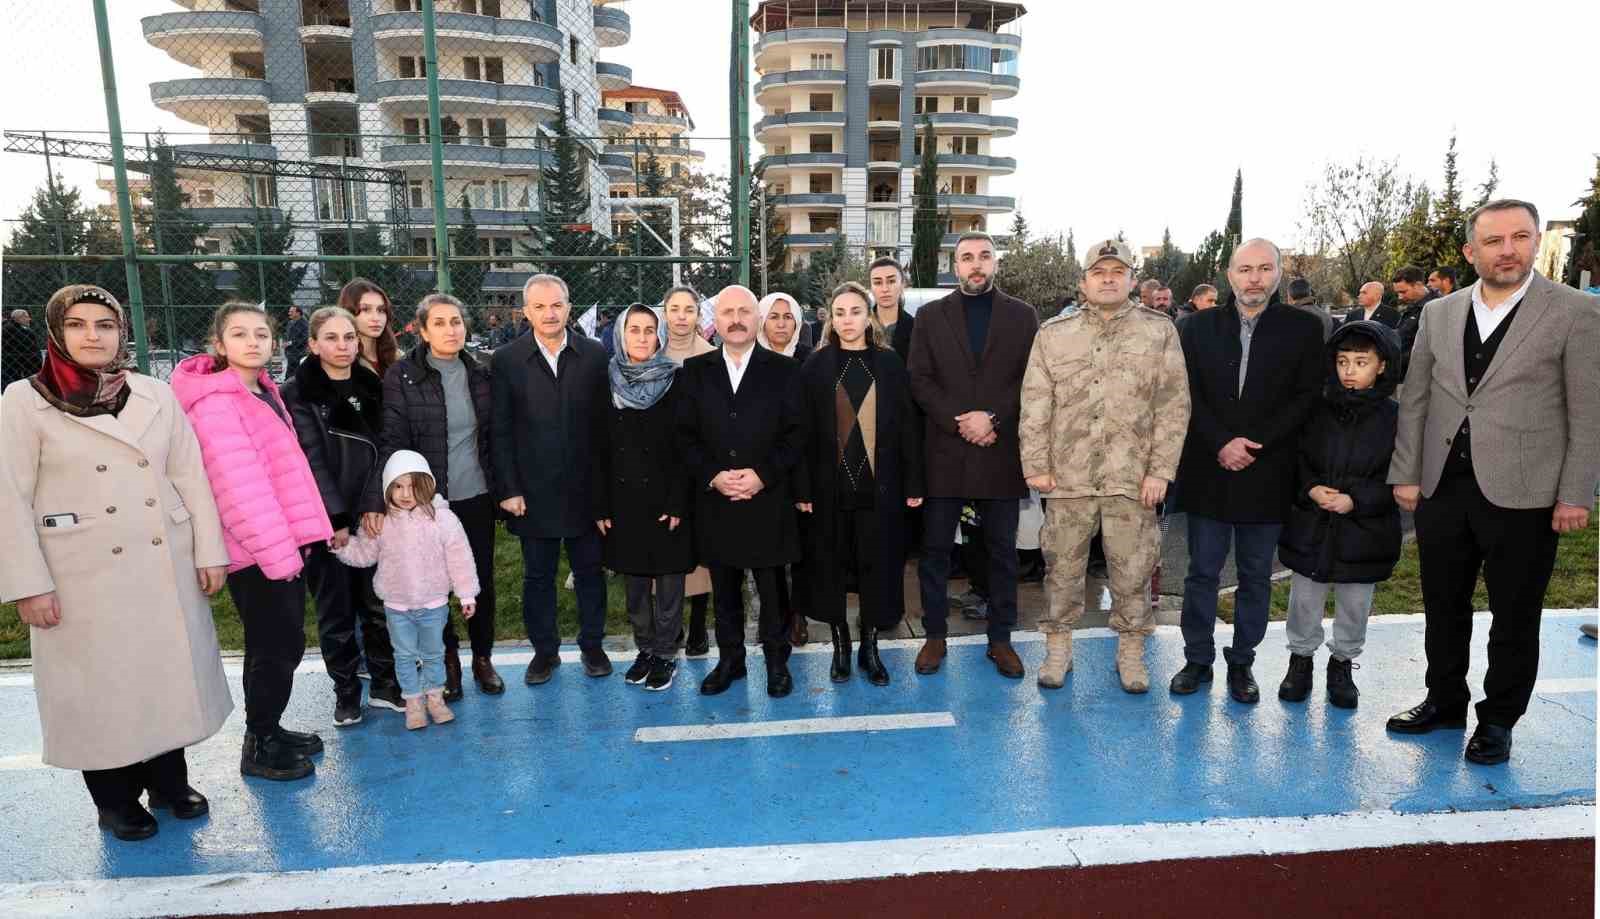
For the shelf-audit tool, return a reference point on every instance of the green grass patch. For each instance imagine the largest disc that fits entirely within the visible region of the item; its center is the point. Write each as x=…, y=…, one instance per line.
x=1573, y=584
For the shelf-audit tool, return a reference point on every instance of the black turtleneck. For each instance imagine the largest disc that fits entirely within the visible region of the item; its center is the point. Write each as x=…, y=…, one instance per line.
x=978, y=310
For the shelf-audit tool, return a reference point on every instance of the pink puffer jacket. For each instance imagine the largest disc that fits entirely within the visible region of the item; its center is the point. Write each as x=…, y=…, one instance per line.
x=265, y=493
x=420, y=559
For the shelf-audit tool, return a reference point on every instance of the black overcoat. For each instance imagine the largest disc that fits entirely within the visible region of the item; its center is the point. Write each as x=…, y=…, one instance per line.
x=340, y=443
x=1284, y=381
x=638, y=477
x=757, y=428
x=415, y=417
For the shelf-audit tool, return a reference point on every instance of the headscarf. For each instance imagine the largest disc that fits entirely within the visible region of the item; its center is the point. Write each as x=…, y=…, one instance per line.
x=67, y=384
x=765, y=307
x=639, y=386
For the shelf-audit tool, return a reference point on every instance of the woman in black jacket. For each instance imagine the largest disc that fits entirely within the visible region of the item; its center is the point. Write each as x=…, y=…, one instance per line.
x=1343, y=530
x=641, y=493
x=336, y=405
x=862, y=466
x=437, y=401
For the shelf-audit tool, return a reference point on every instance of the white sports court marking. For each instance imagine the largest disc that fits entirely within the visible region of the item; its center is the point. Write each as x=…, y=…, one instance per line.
x=842, y=724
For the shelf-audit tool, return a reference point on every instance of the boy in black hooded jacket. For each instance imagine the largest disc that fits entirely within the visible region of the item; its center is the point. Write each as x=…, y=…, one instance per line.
x=1343, y=530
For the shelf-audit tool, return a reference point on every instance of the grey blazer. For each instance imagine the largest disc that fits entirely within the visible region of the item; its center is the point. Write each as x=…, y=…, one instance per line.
x=1535, y=414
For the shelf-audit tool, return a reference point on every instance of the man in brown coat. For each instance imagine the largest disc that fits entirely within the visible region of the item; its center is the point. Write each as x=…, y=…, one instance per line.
x=969, y=351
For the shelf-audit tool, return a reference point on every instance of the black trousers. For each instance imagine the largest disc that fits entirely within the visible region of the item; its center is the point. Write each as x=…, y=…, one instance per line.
x=477, y=518
x=345, y=602
x=273, y=615
x=940, y=516
x=727, y=591
x=167, y=774
x=1458, y=533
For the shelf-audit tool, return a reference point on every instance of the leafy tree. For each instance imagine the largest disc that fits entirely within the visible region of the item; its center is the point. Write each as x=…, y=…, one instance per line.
x=565, y=228
x=927, y=230
x=1019, y=229
x=1042, y=272
x=172, y=230
x=273, y=283
x=1232, y=231
x=1200, y=268
x=1585, y=254
x=1350, y=216
x=54, y=223
x=1166, y=266
x=826, y=270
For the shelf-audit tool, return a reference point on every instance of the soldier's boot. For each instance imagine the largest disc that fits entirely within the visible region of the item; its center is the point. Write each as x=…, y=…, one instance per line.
x=1130, y=663
x=1057, y=660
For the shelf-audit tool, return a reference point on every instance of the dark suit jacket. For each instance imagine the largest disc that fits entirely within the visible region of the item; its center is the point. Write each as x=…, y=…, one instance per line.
x=1283, y=383
x=947, y=379
x=544, y=424
x=757, y=428
x=1384, y=314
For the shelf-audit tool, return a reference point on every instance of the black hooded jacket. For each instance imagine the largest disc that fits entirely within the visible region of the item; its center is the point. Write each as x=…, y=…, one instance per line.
x=1346, y=445
x=340, y=442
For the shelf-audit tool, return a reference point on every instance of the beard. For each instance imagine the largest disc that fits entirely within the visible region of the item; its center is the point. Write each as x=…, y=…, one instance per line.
x=972, y=289
x=1508, y=277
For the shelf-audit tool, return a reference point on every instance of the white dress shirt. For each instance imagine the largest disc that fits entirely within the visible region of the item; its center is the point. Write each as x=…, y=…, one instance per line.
x=736, y=370
x=552, y=358
x=1489, y=319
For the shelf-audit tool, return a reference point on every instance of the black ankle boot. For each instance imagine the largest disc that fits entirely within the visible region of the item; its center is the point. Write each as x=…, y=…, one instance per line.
x=696, y=643
x=779, y=682
x=185, y=805
x=840, y=671
x=270, y=758
x=129, y=822
x=1296, y=683
x=1342, y=690
x=867, y=657
x=729, y=667
x=306, y=743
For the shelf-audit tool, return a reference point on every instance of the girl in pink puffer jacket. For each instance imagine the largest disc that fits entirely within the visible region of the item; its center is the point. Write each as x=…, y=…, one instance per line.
x=270, y=509
x=422, y=554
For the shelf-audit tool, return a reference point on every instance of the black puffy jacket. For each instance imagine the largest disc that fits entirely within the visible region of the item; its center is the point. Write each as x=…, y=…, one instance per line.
x=414, y=418
x=339, y=441
x=1346, y=445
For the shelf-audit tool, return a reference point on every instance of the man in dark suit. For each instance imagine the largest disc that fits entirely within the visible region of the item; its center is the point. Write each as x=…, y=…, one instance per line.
x=1370, y=305
x=1256, y=367
x=549, y=388
x=968, y=354
x=1519, y=357
x=740, y=435
x=19, y=359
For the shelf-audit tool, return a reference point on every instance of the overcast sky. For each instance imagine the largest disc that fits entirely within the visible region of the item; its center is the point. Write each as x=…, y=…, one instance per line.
x=1126, y=123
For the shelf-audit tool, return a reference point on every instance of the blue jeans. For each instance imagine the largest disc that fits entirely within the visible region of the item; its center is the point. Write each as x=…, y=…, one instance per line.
x=540, y=558
x=418, y=637
x=1253, y=547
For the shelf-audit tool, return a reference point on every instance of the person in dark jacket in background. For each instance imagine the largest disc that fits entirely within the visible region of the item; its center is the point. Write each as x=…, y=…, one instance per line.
x=550, y=389
x=20, y=354
x=336, y=405
x=641, y=493
x=1255, y=371
x=436, y=401
x=1411, y=289
x=296, y=338
x=1370, y=305
x=1343, y=531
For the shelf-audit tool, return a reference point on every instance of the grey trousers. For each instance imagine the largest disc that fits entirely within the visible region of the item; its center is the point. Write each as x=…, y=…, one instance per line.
x=1352, y=603
x=656, y=619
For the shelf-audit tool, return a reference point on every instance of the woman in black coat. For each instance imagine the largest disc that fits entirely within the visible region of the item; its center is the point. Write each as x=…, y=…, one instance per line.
x=336, y=404
x=641, y=493
x=425, y=395
x=861, y=468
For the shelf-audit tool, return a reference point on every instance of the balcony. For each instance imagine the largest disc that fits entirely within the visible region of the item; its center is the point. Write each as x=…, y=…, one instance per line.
x=969, y=122
x=247, y=150
x=800, y=240
x=485, y=217
x=671, y=121
x=773, y=40
x=421, y=154
x=618, y=166
x=971, y=37
x=614, y=119
x=234, y=216
x=191, y=37
x=1000, y=85
x=464, y=31
x=199, y=99
x=979, y=162
x=799, y=120
x=811, y=199
x=982, y=203
x=613, y=76
x=611, y=27
x=784, y=79
x=662, y=151
x=790, y=160
x=411, y=95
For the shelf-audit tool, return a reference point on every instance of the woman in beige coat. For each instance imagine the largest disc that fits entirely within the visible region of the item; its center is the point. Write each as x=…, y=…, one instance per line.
x=117, y=544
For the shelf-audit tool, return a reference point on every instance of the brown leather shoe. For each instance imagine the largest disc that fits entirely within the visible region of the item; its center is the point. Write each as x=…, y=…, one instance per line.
x=931, y=657
x=483, y=673
x=1005, y=659
x=452, y=675
x=799, y=631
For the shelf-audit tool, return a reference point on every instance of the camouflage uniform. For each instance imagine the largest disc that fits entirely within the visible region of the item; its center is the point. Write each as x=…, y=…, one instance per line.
x=1105, y=402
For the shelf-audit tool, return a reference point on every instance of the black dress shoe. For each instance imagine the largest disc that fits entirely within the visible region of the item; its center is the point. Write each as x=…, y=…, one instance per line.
x=596, y=663
x=1490, y=744
x=1242, y=685
x=1427, y=717
x=1188, y=679
x=1296, y=685
x=304, y=742
x=779, y=682
x=186, y=806
x=129, y=823
x=722, y=676
x=452, y=675
x=871, y=663
x=541, y=668
x=839, y=670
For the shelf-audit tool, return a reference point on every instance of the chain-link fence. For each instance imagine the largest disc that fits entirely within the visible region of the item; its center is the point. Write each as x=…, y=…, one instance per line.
x=456, y=145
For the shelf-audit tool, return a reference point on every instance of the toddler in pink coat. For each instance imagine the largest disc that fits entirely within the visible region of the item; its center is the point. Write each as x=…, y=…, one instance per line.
x=422, y=555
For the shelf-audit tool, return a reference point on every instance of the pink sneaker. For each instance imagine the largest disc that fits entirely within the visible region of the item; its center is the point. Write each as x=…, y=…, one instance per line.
x=437, y=710
x=416, y=717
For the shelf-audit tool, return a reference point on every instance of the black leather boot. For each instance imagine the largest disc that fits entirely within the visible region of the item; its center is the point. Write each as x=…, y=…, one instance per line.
x=1342, y=690
x=185, y=806
x=729, y=667
x=779, y=682
x=129, y=822
x=306, y=743
x=697, y=644
x=1242, y=685
x=839, y=672
x=269, y=758
x=867, y=657
x=1296, y=685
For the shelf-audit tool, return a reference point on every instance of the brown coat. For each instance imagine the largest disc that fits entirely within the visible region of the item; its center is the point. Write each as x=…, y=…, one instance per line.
x=947, y=380
x=133, y=670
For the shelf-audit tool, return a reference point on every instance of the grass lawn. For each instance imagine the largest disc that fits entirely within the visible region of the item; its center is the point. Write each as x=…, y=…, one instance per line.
x=507, y=614
x=1572, y=586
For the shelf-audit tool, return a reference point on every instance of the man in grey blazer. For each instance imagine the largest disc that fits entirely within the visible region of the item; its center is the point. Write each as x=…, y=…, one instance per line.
x=1498, y=453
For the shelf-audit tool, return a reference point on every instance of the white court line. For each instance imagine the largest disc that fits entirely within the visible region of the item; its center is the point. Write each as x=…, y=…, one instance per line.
x=1562, y=687
x=20, y=761
x=699, y=869
x=843, y=724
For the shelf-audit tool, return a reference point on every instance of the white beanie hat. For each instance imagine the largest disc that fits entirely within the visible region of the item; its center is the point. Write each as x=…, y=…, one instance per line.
x=402, y=462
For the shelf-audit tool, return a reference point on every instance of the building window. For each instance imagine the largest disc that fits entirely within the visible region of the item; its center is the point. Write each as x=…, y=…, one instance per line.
x=407, y=6
x=419, y=245
x=954, y=57
x=475, y=131
x=824, y=223
x=500, y=246
x=412, y=68
x=487, y=69
x=417, y=192
x=822, y=60
x=497, y=132
x=415, y=130
x=572, y=48
x=636, y=107
x=211, y=245
x=821, y=183
x=499, y=194
x=822, y=102
x=449, y=130
x=677, y=170
x=883, y=228
x=822, y=143
x=926, y=105
x=248, y=66
x=886, y=64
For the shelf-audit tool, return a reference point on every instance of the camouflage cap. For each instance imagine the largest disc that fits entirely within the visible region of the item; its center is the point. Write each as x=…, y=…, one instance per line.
x=1110, y=248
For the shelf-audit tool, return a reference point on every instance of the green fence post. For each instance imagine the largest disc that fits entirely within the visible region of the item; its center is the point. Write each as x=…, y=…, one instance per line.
x=441, y=239
x=108, y=82
x=739, y=144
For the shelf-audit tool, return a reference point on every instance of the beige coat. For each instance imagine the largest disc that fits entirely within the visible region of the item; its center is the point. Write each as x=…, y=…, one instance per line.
x=133, y=670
